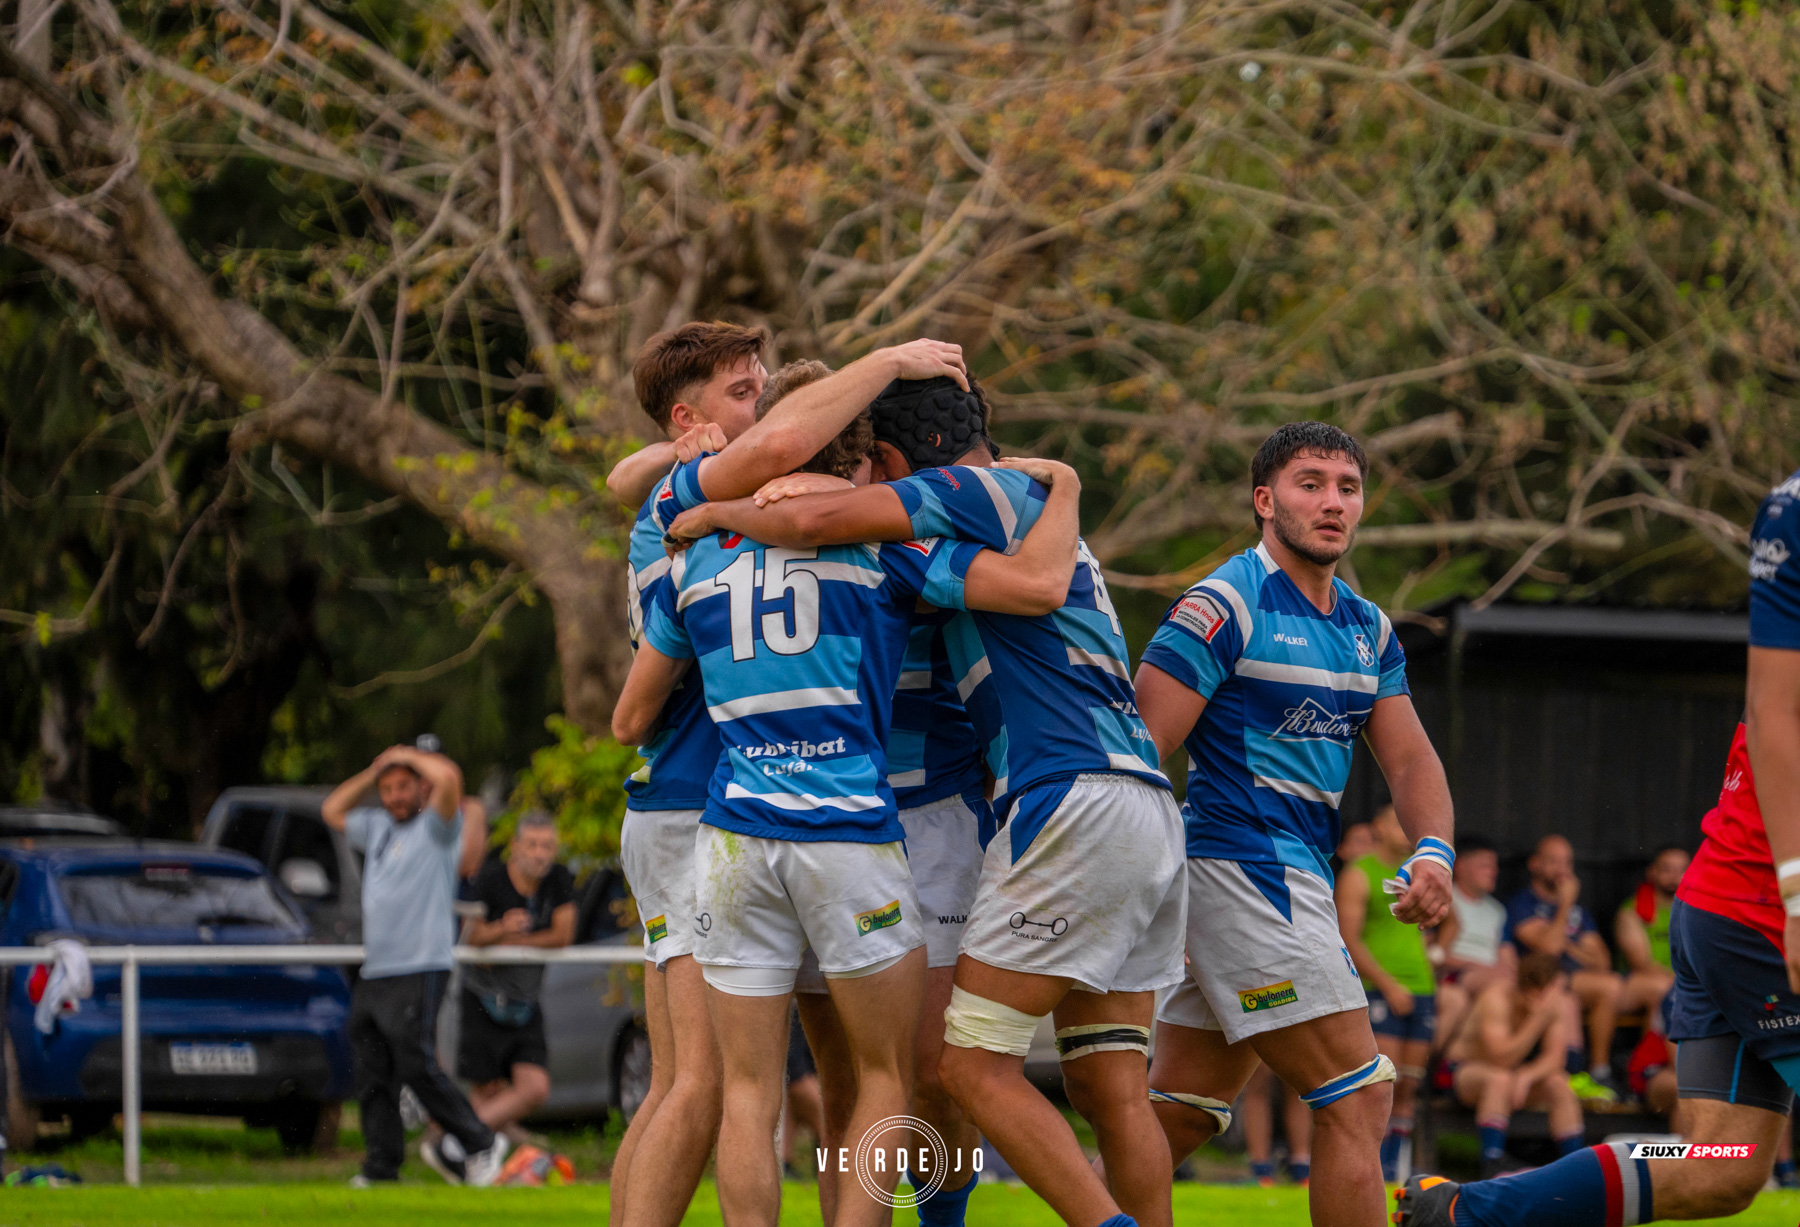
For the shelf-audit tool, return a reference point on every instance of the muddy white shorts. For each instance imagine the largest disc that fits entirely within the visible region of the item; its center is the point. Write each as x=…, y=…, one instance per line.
x=943, y=846
x=762, y=902
x=1096, y=893
x=1263, y=951
x=656, y=847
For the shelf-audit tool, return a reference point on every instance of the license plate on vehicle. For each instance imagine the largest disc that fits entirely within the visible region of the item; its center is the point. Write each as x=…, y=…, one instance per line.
x=212, y=1058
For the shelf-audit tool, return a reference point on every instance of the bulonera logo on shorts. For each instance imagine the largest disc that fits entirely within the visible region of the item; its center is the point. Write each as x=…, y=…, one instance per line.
x=878, y=918
x=1268, y=997
x=657, y=927
x=1692, y=1150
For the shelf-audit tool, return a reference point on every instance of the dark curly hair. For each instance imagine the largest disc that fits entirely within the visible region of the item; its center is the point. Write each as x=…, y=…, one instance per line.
x=843, y=455
x=1297, y=438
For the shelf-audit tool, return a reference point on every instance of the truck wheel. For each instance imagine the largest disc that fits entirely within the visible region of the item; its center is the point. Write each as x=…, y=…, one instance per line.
x=21, y=1116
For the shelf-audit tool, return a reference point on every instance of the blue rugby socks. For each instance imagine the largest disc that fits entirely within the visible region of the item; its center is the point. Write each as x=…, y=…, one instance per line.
x=948, y=1206
x=1600, y=1186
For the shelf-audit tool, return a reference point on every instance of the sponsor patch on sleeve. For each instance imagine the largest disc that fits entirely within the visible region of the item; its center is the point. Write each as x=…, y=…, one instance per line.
x=1199, y=613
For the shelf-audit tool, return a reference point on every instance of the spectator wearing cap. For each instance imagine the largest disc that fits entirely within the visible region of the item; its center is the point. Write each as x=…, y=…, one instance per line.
x=414, y=843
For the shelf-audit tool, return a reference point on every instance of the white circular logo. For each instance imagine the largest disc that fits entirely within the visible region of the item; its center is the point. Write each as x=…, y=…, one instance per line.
x=872, y=1157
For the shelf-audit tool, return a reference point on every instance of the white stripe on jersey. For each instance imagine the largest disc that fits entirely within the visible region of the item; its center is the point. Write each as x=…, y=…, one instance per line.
x=1381, y=640
x=782, y=700
x=1270, y=566
x=1305, y=675
x=1236, y=601
x=915, y=679
x=798, y=801
x=1294, y=788
x=655, y=570
x=1129, y=762
x=1002, y=507
x=976, y=675
x=844, y=571
x=907, y=779
x=1112, y=665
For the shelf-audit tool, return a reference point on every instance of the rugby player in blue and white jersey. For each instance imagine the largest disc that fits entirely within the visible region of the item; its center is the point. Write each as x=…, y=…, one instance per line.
x=799, y=652
x=702, y=380
x=1268, y=670
x=1082, y=889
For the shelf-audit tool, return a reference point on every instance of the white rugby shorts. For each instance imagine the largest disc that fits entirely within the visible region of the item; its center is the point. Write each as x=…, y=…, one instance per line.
x=656, y=848
x=761, y=902
x=943, y=846
x=1252, y=969
x=1097, y=894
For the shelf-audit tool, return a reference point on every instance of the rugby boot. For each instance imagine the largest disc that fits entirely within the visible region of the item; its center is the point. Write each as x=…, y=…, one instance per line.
x=1426, y=1201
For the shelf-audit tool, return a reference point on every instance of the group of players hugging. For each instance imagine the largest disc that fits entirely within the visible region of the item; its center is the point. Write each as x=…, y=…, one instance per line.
x=898, y=769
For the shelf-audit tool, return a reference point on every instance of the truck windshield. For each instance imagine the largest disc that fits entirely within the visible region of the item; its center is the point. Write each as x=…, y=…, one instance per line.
x=171, y=897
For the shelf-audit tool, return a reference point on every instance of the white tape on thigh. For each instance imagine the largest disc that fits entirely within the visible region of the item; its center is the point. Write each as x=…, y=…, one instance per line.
x=870, y=969
x=976, y=1022
x=751, y=981
x=1075, y=1042
x=1381, y=1069
x=1218, y=1109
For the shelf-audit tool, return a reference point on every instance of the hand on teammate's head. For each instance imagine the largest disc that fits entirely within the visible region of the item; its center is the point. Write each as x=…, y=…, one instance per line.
x=1044, y=472
x=928, y=359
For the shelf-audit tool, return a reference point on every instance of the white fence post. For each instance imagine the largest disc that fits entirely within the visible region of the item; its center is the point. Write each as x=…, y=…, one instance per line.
x=133, y=1049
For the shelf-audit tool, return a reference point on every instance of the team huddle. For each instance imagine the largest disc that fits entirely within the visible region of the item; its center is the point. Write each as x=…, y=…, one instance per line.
x=899, y=769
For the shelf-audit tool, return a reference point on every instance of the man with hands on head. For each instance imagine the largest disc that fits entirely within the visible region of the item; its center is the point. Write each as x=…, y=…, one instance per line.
x=1078, y=910
x=799, y=651
x=1268, y=670
x=414, y=844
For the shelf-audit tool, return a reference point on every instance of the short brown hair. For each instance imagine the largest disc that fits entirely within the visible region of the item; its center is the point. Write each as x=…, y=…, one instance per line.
x=672, y=362
x=1537, y=969
x=1298, y=438
x=843, y=455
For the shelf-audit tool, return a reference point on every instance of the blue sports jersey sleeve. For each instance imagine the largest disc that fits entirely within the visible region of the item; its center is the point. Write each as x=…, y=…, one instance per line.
x=995, y=507
x=1393, y=665
x=910, y=565
x=1775, y=569
x=948, y=574
x=1199, y=641
x=678, y=492
x=663, y=629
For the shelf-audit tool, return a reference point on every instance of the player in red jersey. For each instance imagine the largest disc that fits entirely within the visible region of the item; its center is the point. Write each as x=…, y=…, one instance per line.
x=1734, y=933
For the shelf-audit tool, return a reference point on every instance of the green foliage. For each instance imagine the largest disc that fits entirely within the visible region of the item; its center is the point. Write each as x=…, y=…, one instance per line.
x=580, y=781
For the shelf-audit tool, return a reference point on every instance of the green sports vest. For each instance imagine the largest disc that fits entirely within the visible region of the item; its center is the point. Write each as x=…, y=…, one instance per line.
x=1398, y=947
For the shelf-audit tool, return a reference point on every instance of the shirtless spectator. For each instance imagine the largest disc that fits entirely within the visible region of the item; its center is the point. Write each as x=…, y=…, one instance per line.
x=1510, y=1057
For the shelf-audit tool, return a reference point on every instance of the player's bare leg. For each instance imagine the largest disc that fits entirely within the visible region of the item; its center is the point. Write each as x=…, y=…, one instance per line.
x=1112, y=1091
x=879, y=1017
x=837, y=1087
x=932, y=1103
x=1346, y=1188
x=671, y=1151
x=662, y=1076
x=752, y=1035
x=1024, y=1127
x=1192, y=1061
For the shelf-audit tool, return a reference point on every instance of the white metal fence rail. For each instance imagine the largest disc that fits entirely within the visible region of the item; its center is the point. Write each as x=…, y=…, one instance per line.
x=130, y=958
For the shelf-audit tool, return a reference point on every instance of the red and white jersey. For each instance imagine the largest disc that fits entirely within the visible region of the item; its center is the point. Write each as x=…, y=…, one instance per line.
x=1733, y=874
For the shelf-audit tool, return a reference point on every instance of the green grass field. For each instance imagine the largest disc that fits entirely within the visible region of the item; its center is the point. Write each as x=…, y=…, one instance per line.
x=217, y=1174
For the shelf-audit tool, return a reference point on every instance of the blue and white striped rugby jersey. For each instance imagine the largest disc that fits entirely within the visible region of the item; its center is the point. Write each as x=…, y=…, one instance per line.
x=1288, y=691
x=681, y=758
x=799, y=651
x=932, y=752
x=1050, y=696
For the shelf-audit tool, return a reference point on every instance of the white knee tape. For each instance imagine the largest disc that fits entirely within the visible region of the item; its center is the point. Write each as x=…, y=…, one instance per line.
x=1074, y=1042
x=976, y=1022
x=1381, y=1069
x=1218, y=1109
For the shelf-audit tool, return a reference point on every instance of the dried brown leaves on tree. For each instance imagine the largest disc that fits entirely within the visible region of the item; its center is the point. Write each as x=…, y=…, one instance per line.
x=1540, y=256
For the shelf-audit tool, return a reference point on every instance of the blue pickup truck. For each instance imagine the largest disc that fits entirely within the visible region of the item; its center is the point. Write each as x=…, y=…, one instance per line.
x=267, y=1043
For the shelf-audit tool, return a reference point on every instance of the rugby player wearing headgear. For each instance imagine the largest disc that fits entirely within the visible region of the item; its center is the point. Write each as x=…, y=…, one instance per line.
x=1734, y=938
x=1268, y=670
x=1082, y=889
x=701, y=380
x=799, y=651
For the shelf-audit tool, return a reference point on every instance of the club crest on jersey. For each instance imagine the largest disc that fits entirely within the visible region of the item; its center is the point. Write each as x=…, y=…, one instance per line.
x=1199, y=613
x=1364, y=652
x=878, y=918
x=1311, y=722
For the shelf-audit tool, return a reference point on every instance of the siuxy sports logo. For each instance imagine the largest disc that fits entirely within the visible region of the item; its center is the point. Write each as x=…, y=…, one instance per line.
x=1692, y=1150
x=1311, y=722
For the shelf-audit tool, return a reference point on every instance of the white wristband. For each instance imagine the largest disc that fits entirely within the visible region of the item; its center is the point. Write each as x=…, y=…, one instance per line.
x=1788, y=869
x=1792, y=904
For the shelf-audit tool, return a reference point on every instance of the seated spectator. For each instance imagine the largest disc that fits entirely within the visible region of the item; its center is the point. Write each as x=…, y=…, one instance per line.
x=530, y=901
x=1547, y=918
x=1396, y=974
x=1641, y=929
x=1510, y=1056
x=1469, y=947
x=1256, y=1108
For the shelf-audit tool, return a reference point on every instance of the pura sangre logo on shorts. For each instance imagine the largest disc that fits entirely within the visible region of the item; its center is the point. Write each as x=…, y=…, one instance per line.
x=657, y=927
x=1268, y=997
x=878, y=918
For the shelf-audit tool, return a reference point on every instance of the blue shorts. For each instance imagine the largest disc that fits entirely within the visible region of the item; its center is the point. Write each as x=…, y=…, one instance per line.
x=1729, y=980
x=1415, y=1026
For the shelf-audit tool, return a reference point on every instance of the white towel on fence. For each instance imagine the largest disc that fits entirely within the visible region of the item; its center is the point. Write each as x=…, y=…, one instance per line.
x=71, y=979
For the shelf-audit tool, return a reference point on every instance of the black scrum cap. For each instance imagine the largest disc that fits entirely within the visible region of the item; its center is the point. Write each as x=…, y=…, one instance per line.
x=931, y=422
